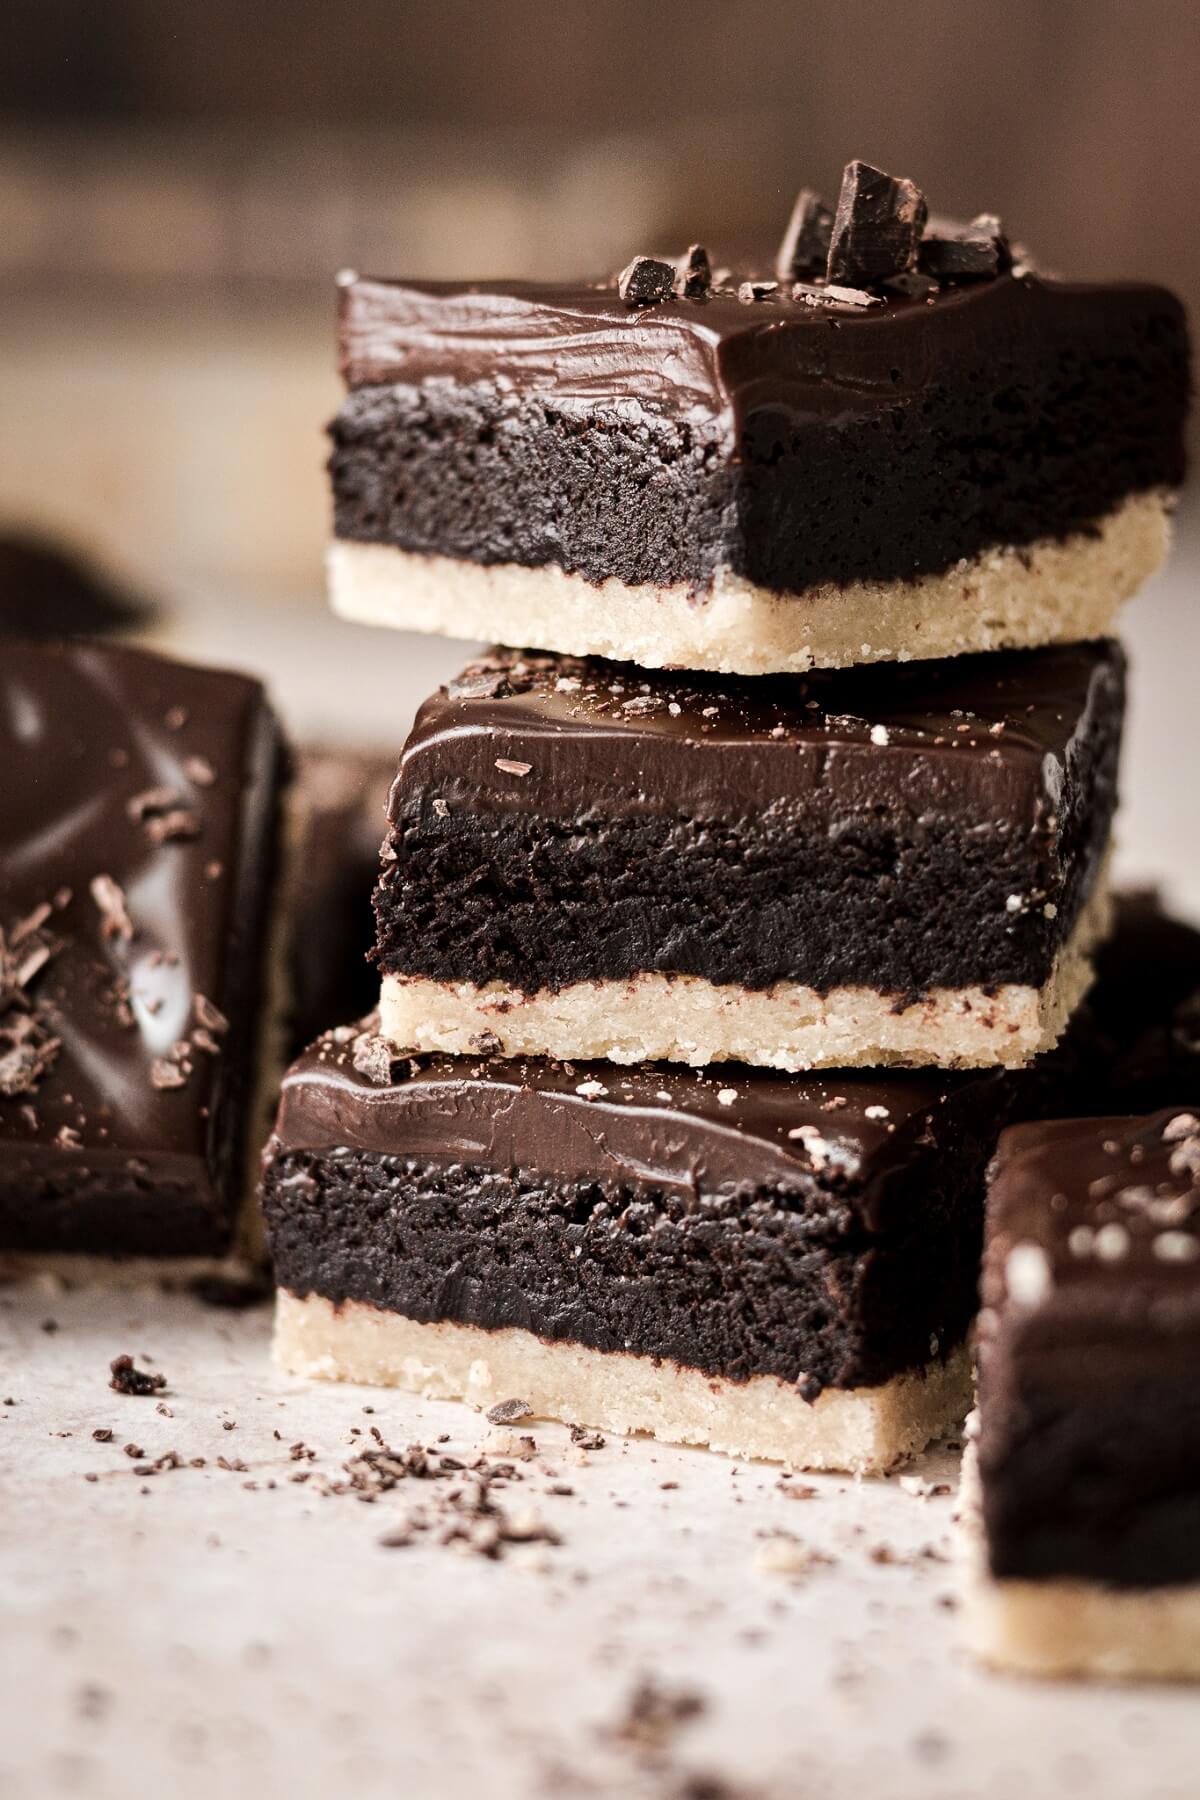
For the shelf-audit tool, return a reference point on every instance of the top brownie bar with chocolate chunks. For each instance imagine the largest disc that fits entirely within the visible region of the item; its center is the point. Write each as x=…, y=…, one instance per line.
x=753, y=475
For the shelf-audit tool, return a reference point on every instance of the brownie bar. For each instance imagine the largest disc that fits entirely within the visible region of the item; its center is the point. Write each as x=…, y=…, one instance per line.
x=754, y=478
x=775, y=1266
x=1088, y=1455
x=137, y=860
x=851, y=868
x=341, y=798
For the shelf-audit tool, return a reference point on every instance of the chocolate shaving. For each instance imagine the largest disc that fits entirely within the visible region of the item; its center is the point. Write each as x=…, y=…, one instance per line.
x=209, y=1016
x=834, y=296
x=646, y=280
x=804, y=250
x=693, y=273
x=876, y=229
x=110, y=902
x=166, y=1074
x=28, y=1048
x=127, y=1378
x=164, y=828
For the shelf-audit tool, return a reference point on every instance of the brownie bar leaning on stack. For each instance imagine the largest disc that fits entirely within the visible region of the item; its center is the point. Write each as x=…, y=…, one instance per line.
x=1083, y=1490
x=138, y=846
x=900, y=445
x=858, y=867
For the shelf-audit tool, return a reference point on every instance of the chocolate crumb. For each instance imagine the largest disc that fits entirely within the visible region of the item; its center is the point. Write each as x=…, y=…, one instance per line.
x=102, y=1434
x=165, y=1074
x=199, y=770
x=372, y=1056
x=507, y=1412
x=128, y=1379
x=508, y=766
x=757, y=290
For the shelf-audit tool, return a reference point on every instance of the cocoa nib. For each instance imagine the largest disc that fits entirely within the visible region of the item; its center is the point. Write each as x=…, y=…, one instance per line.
x=127, y=1378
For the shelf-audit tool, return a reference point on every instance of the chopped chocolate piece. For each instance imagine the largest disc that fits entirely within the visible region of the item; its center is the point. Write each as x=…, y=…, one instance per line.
x=117, y=1138
x=876, y=228
x=693, y=276
x=758, y=290
x=49, y=591
x=644, y=1255
x=976, y=464
x=804, y=251
x=1088, y=1452
x=829, y=295
x=645, y=281
x=920, y=850
x=978, y=251
x=127, y=1378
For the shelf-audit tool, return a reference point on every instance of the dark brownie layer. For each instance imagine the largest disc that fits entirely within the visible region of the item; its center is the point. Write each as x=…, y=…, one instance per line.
x=824, y=1231
x=1089, y=1451
x=928, y=825
x=138, y=815
x=790, y=443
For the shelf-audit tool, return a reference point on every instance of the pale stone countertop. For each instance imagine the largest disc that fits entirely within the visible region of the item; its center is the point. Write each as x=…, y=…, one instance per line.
x=201, y=1631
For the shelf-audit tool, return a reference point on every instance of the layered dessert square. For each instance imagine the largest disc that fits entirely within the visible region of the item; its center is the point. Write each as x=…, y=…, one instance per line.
x=1083, y=1490
x=138, y=846
x=915, y=450
x=773, y=1266
x=901, y=866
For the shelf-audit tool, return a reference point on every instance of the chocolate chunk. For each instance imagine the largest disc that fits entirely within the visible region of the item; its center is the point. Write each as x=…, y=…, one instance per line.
x=507, y=1412
x=646, y=280
x=693, y=275
x=758, y=290
x=876, y=229
x=127, y=1378
x=804, y=251
x=973, y=252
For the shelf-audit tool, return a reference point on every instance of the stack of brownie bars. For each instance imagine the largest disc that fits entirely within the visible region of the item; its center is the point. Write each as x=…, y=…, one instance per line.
x=714, y=960
x=722, y=929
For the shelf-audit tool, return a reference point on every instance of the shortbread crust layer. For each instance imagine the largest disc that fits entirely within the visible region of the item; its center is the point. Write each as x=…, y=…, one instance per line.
x=685, y=1019
x=865, y=1430
x=1050, y=592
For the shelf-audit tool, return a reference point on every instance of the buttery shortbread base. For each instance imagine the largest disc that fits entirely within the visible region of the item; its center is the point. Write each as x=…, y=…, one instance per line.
x=1054, y=591
x=1060, y=1628
x=864, y=1430
x=682, y=1018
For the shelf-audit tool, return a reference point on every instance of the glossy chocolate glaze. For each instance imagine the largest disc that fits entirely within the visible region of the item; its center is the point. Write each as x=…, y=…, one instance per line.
x=134, y=783
x=902, y=828
x=986, y=740
x=656, y=1127
x=719, y=357
x=1090, y=1422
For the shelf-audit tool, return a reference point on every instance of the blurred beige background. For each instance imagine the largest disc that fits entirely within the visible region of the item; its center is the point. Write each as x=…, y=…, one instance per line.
x=178, y=183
